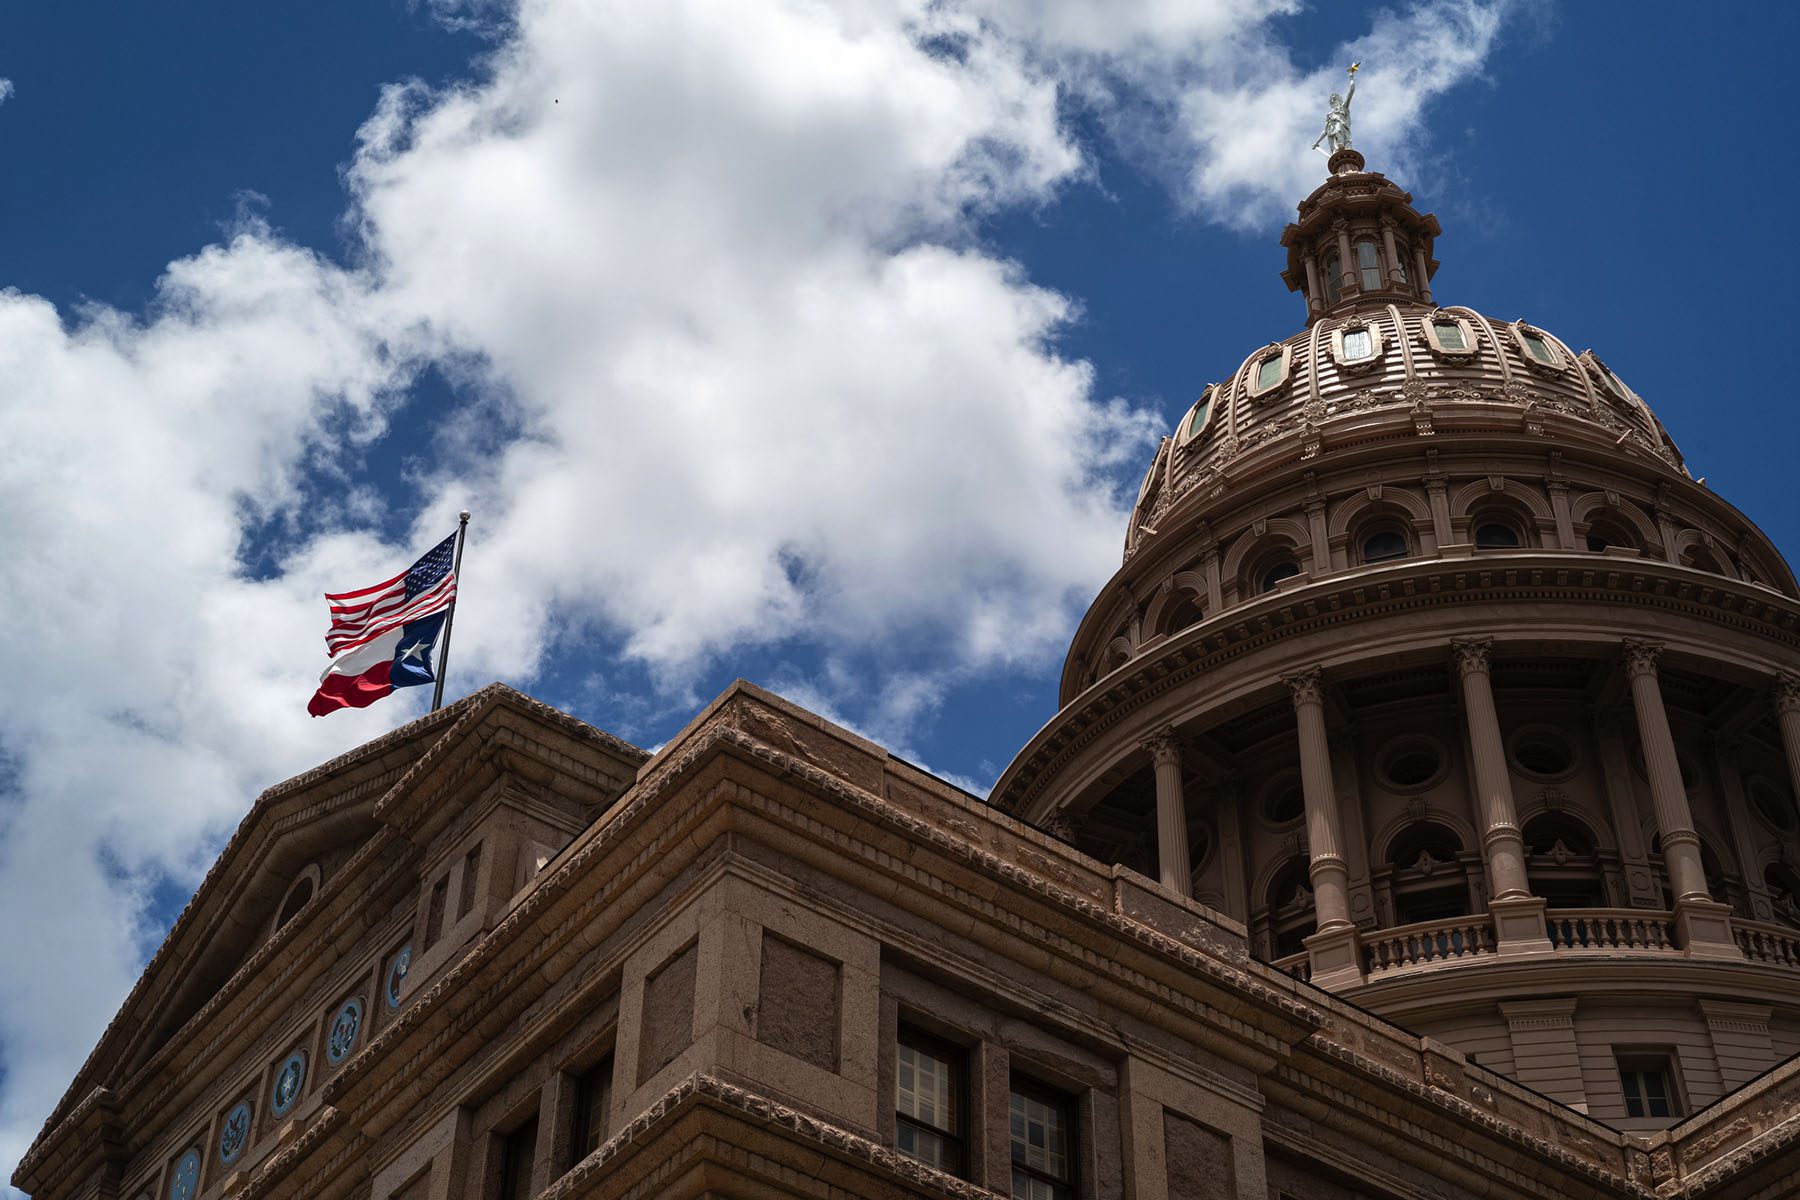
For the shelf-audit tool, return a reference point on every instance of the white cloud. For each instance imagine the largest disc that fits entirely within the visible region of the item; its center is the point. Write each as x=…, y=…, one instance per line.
x=733, y=373
x=6, y=90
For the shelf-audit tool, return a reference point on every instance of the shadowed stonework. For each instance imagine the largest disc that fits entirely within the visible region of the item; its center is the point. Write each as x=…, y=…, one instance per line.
x=668, y=1026
x=797, y=1003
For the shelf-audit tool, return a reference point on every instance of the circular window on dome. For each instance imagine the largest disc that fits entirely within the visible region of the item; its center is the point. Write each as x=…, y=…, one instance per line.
x=344, y=1030
x=184, y=1179
x=1542, y=752
x=289, y=1081
x=1772, y=804
x=234, y=1133
x=1283, y=801
x=1412, y=763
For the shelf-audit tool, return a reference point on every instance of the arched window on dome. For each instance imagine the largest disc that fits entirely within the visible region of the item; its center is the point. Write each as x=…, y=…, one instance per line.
x=1188, y=609
x=1272, y=576
x=1561, y=862
x=1425, y=878
x=1287, y=915
x=1496, y=531
x=1382, y=540
x=1702, y=558
x=1198, y=416
x=1368, y=266
x=1538, y=348
x=1605, y=532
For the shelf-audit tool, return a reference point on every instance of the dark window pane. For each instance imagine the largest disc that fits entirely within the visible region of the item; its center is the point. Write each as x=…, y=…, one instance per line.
x=928, y=1101
x=1494, y=536
x=1275, y=574
x=515, y=1174
x=1379, y=547
x=593, y=1098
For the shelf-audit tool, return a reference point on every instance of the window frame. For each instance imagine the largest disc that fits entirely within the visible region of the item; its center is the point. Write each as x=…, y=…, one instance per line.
x=1377, y=345
x=1363, y=286
x=1428, y=327
x=1374, y=530
x=525, y=1132
x=1640, y=1062
x=1069, y=1107
x=1559, y=360
x=581, y=1125
x=1187, y=431
x=957, y=1059
x=1257, y=391
x=1504, y=519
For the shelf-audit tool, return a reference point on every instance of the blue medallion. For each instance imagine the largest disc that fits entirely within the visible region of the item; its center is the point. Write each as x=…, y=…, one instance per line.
x=396, y=975
x=288, y=1082
x=184, y=1180
x=344, y=1028
x=234, y=1134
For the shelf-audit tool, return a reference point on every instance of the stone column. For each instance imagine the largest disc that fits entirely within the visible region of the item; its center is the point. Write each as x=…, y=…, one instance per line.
x=1171, y=814
x=1786, y=695
x=1315, y=297
x=1346, y=261
x=1336, y=954
x=1393, y=252
x=1701, y=925
x=1518, y=915
x=1424, y=279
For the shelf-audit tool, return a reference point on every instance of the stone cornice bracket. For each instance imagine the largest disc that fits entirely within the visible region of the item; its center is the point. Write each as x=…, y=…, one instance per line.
x=1471, y=655
x=1786, y=693
x=1164, y=747
x=1640, y=657
x=1308, y=686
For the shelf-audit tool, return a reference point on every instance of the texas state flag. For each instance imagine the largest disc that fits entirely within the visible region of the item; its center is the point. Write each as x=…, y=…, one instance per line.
x=396, y=659
x=384, y=634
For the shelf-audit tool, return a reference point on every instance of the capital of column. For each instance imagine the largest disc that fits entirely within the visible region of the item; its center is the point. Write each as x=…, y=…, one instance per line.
x=1471, y=655
x=1786, y=693
x=1308, y=687
x=1640, y=657
x=1164, y=747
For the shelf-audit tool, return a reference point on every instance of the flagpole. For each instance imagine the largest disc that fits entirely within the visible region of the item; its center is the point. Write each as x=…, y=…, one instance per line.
x=462, y=534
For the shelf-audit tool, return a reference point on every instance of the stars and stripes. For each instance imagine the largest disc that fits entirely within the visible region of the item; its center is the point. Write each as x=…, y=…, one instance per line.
x=426, y=587
x=382, y=637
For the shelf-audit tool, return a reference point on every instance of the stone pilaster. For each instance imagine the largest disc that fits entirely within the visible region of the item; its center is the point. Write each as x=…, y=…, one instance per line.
x=1173, y=868
x=1518, y=915
x=1786, y=695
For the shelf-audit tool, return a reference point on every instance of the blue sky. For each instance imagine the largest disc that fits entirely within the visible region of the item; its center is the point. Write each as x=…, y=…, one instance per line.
x=818, y=345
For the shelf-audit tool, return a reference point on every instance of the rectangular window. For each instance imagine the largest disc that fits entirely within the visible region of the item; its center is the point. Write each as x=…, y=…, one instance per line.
x=1450, y=335
x=1540, y=349
x=1043, y=1143
x=593, y=1097
x=1358, y=344
x=434, y=911
x=928, y=1101
x=1268, y=372
x=1334, y=282
x=1368, y=264
x=516, y=1162
x=1649, y=1086
x=471, y=871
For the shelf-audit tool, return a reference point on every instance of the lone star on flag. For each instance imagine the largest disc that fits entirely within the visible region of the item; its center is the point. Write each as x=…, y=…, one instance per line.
x=414, y=650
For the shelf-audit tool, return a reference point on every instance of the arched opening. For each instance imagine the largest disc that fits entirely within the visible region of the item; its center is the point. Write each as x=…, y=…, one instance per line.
x=1702, y=558
x=1426, y=877
x=296, y=900
x=1606, y=532
x=1383, y=543
x=1288, y=912
x=1185, y=611
x=1497, y=531
x=1283, y=801
x=1562, y=863
x=1272, y=575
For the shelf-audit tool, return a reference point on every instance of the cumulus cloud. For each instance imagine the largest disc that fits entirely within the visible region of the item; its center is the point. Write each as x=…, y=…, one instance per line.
x=731, y=370
x=6, y=90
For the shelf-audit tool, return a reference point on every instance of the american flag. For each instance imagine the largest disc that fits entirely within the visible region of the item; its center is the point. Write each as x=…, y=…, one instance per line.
x=426, y=587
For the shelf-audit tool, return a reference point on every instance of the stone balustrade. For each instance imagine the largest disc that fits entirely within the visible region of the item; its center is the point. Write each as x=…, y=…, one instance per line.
x=1298, y=965
x=1611, y=929
x=1428, y=942
x=1776, y=944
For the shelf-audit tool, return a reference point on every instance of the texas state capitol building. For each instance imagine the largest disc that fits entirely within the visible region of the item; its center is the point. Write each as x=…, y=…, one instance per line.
x=1418, y=822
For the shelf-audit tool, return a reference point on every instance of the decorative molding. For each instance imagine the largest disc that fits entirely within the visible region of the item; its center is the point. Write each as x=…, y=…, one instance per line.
x=1472, y=655
x=1640, y=657
x=1307, y=687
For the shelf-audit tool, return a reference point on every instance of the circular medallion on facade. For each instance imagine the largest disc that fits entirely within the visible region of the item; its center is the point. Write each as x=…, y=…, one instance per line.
x=288, y=1082
x=344, y=1028
x=396, y=975
x=234, y=1133
x=184, y=1180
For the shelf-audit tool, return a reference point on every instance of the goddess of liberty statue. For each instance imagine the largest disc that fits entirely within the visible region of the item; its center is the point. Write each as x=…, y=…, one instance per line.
x=1337, y=120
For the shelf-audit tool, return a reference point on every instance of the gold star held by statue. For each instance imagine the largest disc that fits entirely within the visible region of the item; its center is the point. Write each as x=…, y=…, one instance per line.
x=1354, y=68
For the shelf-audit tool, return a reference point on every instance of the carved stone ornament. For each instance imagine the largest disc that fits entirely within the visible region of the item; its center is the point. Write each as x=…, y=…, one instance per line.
x=1640, y=657
x=1786, y=693
x=1471, y=655
x=1164, y=747
x=1308, y=687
